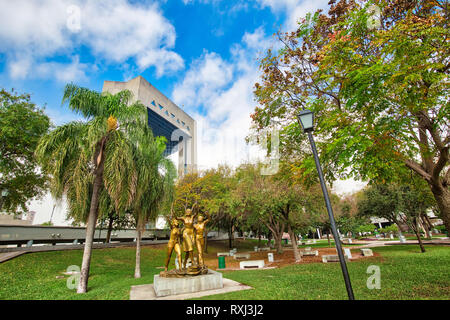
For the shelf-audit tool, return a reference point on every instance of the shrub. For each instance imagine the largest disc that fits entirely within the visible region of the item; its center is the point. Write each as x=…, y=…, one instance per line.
x=392, y=228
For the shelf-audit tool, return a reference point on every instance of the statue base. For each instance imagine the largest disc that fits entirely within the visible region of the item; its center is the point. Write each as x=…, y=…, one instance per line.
x=187, y=283
x=181, y=273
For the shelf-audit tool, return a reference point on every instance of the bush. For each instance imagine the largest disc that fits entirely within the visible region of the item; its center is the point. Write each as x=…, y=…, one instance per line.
x=366, y=228
x=441, y=228
x=392, y=228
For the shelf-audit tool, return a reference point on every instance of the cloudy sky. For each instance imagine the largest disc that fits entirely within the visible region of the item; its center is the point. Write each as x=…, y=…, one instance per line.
x=202, y=54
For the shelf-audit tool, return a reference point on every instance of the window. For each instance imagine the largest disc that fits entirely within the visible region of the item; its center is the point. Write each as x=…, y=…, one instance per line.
x=160, y=106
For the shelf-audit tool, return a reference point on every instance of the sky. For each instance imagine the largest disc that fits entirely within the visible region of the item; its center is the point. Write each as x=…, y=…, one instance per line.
x=201, y=54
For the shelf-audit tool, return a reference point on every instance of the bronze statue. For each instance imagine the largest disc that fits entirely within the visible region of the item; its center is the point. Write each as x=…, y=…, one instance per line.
x=188, y=235
x=199, y=228
x=191, y=235
x=174, y=243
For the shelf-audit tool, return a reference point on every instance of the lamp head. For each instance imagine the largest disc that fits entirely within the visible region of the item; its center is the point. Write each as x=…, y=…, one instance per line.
x=306, y=119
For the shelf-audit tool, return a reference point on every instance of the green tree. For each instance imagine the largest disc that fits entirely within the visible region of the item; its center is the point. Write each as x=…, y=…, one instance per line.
x=276, y=201
x=22, y=124
x=416, y=200
x=83, y=158
x=382, y=201
x=380, y=94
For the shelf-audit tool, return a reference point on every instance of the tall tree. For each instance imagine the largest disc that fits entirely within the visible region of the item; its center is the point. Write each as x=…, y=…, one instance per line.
x=19, y=172
x=97, y=152
x=154, y=184
x=380, y=91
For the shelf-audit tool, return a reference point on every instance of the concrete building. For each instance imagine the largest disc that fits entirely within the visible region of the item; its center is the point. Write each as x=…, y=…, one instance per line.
x=165, y=118
x=11, y=220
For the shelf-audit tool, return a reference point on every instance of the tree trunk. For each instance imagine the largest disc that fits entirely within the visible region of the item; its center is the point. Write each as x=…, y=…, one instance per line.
x=278, y=242
x=328, y=237
x=259, y=240
x=206, y=241
x=90, y=230
x=230, y=240
x=429, y=223
x=417, y=232
x=442, y=196
x=426, y=226
x=269, y=239
x=137, y=269
x=108, y=234
x=297, y=255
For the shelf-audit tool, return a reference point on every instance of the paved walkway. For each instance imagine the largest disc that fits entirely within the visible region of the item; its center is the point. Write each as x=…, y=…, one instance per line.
x=379, y=243
x=10, y=255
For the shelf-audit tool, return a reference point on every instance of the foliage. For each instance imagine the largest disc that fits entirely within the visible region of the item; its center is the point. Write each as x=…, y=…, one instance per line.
x=441, y=229
x=19, y=171
x=380, y=95
x=366, y=228
x=389, y=229
x=382, y=201
x=70, y=152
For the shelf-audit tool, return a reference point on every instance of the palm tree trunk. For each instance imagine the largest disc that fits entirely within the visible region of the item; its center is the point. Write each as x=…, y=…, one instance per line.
x=137, y=269
x=90, y=230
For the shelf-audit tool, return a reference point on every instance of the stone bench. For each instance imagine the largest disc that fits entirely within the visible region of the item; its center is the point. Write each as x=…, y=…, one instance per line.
x=309, y=252
x=367, y=252
x=264, y=249
x=348, y=253
x=223, y=254
x=241, y=256
x=332, y=258
x=251, y=264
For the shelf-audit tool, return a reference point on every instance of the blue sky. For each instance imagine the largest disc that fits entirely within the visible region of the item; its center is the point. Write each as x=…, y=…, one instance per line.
x=202, y=54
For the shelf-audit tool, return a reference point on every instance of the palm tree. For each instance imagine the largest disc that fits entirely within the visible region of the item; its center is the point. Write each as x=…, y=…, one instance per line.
x=85, y=158
x=154, y=187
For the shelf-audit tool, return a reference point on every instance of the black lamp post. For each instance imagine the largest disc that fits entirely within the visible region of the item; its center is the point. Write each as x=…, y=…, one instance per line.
x=306, y=119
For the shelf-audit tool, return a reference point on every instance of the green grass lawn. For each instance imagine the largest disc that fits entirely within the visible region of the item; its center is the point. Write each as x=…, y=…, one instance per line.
x=405, y=274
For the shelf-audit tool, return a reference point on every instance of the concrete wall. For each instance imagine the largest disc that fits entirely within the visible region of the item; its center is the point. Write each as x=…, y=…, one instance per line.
x=10, y=233
x=6, y=219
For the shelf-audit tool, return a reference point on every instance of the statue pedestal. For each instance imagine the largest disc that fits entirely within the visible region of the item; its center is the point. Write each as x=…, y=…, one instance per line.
x=172, y=286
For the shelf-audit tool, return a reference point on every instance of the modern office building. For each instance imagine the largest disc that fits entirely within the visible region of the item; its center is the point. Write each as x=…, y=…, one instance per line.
x=165, y=118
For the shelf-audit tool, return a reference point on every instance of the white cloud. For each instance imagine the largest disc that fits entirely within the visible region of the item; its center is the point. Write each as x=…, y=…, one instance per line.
x=32, y=32
x=224, y=90
x=25, y=67
x=203, y=81
x=294, y=9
